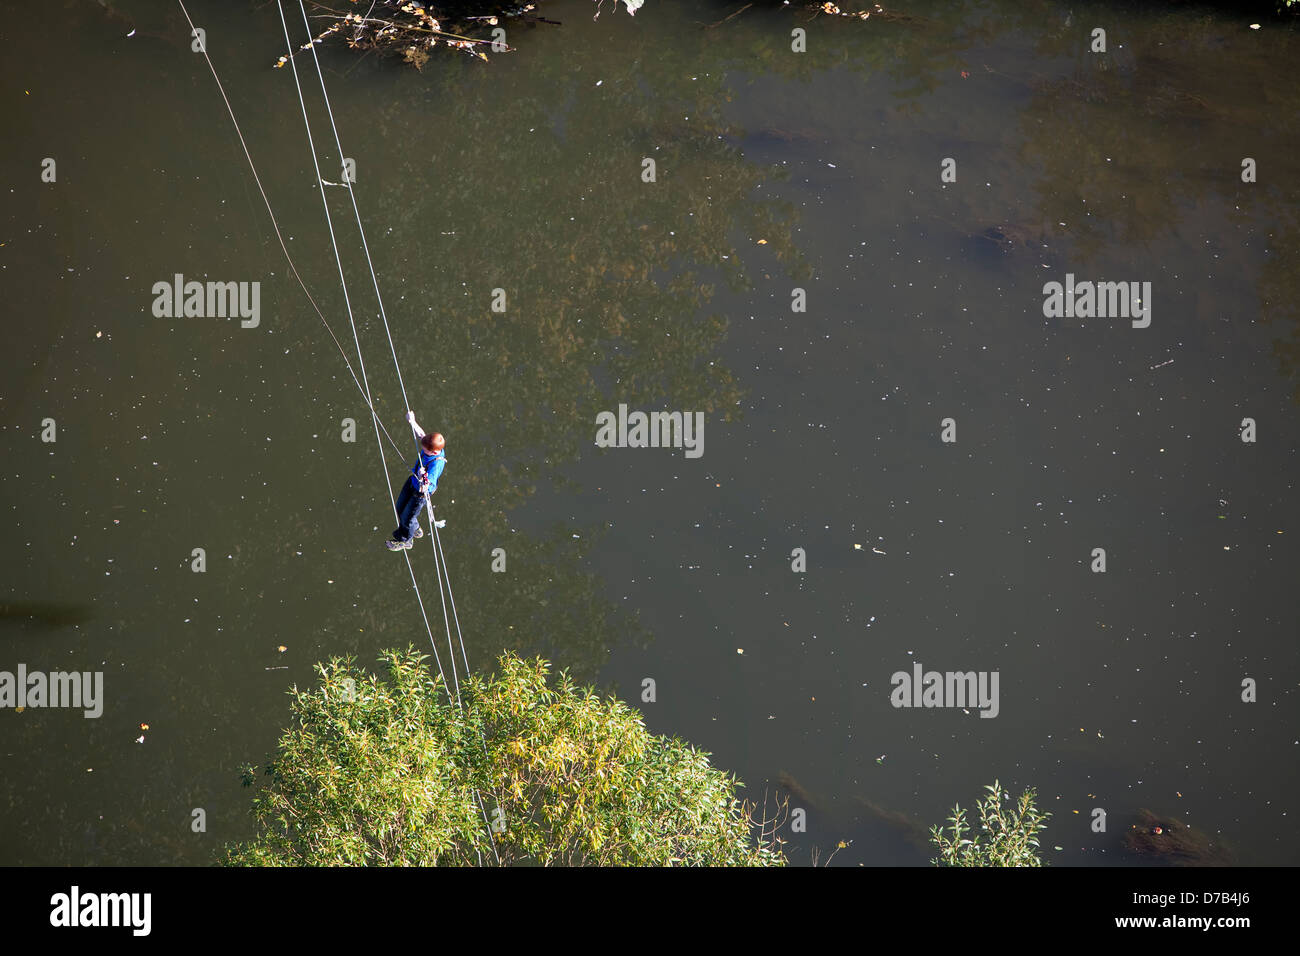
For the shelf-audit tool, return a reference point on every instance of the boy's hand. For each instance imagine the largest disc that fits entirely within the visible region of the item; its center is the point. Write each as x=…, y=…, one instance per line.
x=410, y=416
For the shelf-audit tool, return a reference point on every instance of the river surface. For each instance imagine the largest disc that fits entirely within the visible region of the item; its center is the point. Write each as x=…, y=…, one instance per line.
x=775, y=171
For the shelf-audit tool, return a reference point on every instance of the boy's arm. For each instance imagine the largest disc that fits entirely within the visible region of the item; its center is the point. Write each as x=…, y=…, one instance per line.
x=415, y=426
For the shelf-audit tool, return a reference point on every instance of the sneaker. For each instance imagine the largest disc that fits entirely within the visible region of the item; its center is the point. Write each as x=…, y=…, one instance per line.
x=419, y=531
x=392, y=545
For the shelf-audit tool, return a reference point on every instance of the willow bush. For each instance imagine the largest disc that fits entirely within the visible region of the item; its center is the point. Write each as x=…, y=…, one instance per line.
x=1007, y=834
x=527, y=770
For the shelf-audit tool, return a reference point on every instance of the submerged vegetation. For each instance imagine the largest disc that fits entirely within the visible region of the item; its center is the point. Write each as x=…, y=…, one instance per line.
x=522, y=770
x=1170, y=841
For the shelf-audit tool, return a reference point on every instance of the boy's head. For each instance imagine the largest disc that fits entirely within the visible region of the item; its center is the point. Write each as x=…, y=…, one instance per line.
x=432, y=443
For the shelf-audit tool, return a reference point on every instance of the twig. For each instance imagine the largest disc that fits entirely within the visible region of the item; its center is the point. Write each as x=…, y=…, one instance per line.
x=359, y=61
x=726, y=18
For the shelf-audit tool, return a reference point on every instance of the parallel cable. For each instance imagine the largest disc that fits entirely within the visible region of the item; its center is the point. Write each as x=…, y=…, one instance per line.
x=276, y=226
x=363, y=384
x=436, y=540
x=360, y=358
x=356, y=211
x=443, y=560
x=440, y=560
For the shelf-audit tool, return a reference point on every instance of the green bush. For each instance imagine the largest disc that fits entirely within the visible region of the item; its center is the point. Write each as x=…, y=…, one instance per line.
x=1007, y=835
x=391, y=772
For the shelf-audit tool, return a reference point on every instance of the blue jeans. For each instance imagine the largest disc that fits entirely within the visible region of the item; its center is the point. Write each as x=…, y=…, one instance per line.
x=409, y=503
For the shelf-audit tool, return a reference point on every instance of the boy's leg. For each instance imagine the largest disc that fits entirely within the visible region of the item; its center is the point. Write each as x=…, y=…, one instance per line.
x=413, y=525
x=405, y=502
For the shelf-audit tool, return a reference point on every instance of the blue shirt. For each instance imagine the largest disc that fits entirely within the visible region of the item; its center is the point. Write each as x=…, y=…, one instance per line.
x=433, y=464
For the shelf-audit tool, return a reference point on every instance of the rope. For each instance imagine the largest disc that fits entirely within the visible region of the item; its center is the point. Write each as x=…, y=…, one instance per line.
x=455, y=617
x=370, y=265
x=363, y=384
x=433, y=528
x=360, y=358
x=276, y=226
x=440, y=568
x=357, y=212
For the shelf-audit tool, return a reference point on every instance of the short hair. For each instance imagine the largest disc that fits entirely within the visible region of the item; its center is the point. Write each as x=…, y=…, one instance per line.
x=432, y=442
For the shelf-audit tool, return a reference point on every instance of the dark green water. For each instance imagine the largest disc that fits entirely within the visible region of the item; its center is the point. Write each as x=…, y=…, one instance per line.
x=1119, y=690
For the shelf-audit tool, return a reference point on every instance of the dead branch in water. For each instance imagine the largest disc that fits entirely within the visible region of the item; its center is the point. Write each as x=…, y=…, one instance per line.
x=412, y=29
x=729, y=16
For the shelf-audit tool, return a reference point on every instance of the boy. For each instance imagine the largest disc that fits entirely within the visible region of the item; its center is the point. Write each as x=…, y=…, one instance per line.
x=423, y=481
